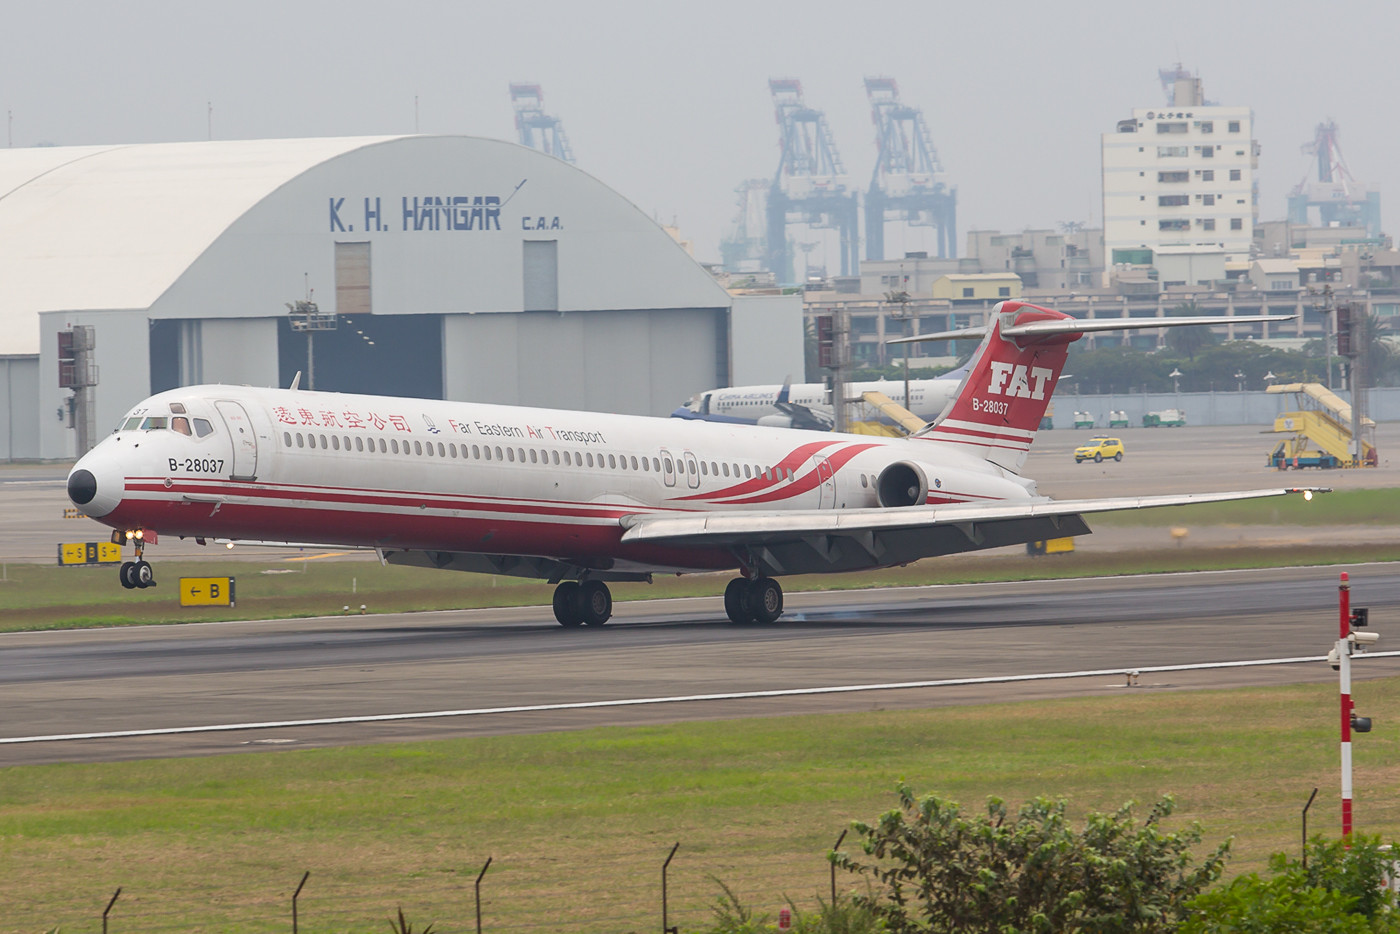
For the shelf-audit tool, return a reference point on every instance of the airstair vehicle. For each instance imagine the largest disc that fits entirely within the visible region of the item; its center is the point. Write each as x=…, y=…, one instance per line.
x=1319, y=431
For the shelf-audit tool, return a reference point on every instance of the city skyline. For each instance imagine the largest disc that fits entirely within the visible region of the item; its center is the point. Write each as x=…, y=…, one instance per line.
x=670, y=106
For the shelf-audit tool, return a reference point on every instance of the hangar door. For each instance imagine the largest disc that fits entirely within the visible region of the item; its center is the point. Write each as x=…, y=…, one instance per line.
x=631, y=362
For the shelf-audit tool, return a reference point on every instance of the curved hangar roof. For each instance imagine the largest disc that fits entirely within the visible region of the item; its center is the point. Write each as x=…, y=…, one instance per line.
x=238, y=228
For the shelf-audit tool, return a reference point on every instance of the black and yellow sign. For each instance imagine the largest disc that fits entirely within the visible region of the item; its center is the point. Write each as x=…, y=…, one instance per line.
x=78, y=553
x=71, y=513
x=206, y=591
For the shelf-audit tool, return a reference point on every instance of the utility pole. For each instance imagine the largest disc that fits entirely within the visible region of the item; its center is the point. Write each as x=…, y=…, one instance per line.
x=900, y=299
x=833, y=353
x=1349, y=347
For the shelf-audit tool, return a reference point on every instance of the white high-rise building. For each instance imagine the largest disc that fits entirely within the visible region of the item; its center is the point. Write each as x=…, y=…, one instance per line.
x=1178, y=187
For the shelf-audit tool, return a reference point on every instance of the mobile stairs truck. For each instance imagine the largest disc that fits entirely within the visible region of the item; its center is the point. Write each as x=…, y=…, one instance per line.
x=1319, y=431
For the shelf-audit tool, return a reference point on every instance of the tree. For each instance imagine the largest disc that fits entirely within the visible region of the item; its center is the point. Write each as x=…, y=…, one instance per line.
x=1378, y=355
x=942, y=871
x=1340, y=890
x=1189, y=340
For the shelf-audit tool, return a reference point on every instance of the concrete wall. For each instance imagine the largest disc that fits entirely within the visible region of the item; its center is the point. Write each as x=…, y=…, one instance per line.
x=765, y=340
x=1255, y=409
x=122, y=353
x=631, y=362
x=19, y=407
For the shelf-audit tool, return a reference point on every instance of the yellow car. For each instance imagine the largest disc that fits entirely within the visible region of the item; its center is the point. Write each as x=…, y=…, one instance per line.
x=1099, y=448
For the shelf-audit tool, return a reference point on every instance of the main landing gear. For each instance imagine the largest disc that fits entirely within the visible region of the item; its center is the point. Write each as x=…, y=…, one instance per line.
x=137, y=574
x=753, y=601
x=582, y=604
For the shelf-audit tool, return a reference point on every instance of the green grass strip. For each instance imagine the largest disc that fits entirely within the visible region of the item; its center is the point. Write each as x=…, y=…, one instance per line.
x=579, y=822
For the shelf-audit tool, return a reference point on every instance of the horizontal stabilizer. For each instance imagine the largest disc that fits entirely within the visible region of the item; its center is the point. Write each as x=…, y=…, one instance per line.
x=1089, y=325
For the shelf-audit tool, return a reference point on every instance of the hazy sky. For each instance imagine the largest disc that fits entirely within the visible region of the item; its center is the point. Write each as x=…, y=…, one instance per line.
x=668, y=103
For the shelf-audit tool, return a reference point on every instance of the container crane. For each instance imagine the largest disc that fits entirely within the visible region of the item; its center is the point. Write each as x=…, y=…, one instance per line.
x=535, y=128
x=810, y=186
x=1339, y=198
x=909, y=182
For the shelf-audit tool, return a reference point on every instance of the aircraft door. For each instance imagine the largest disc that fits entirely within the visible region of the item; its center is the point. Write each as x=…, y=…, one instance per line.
x=826, y=482
x=692, y=471
x=668, y=468
x=245, y=442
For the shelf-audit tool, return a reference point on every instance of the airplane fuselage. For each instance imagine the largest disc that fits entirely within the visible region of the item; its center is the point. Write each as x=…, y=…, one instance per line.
x=449, y=477
x=749, y=404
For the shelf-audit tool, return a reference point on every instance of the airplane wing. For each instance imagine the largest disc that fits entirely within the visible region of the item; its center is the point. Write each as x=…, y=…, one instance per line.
x=813, y=540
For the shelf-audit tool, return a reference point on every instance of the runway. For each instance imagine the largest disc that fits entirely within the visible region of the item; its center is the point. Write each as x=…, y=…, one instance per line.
x=254, y=672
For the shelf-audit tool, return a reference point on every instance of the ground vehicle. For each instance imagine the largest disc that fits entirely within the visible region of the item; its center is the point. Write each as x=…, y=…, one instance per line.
x=1098, y=448
x=1167, y=418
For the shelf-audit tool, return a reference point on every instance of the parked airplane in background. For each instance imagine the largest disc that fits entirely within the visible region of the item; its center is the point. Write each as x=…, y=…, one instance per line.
x=808, y=405
x=583, y=499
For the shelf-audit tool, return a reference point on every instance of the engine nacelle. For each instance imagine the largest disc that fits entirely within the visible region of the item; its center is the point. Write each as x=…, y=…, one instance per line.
x=902, y=484
x=775, y=421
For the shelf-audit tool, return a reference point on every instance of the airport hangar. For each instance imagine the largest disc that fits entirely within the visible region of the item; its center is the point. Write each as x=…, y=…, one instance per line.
x=458, y=268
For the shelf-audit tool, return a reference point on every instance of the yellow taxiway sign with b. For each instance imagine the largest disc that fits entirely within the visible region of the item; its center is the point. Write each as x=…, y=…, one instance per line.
x=206, y=591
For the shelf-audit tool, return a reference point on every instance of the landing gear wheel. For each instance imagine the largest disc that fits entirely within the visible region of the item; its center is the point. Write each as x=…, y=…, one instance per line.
x=765, y=600
x=566, y=604
x=595, y=603
x=142, y=575
x=1098, y=458
x=128, y=581
x=1118, y=456
x=736, y=601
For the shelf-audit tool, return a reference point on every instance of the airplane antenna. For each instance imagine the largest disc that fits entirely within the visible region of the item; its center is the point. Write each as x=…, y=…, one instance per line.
x=296, y=380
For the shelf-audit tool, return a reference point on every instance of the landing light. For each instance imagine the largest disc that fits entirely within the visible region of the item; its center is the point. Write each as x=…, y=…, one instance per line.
x=230, y=546
x=1307, y=495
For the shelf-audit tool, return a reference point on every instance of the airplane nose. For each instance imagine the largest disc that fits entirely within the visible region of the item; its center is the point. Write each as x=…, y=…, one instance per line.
x=94, y=486
x=82, y=487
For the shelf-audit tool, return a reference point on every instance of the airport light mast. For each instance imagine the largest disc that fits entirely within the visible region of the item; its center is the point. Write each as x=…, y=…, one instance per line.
x=306, y=318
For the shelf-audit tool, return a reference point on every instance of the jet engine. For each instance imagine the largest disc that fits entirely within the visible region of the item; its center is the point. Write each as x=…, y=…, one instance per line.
x=903, y=483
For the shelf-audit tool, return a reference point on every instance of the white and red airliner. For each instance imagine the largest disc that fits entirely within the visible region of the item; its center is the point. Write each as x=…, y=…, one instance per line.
x=582, y=499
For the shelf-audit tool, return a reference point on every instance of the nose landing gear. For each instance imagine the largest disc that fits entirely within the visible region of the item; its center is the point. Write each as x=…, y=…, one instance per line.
x=137, y=574
x=753, y=601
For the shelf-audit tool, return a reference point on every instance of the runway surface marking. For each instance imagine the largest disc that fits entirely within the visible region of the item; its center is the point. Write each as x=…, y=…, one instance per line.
x=679, y=699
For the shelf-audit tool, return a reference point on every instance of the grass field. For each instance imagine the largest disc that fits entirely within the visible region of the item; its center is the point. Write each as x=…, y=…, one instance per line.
x=579, y=823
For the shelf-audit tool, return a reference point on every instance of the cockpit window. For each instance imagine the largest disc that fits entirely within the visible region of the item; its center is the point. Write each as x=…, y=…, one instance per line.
x=177, y=408
x=154, y=423
x=202, y=428
x=181, y=424
x=131, y=424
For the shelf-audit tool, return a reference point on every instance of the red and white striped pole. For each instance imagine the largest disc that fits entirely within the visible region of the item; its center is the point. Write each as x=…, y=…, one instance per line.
x=1344, y=667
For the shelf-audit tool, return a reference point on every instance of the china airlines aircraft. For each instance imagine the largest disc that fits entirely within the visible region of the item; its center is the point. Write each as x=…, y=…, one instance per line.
x=808, y=405
x=583, y=499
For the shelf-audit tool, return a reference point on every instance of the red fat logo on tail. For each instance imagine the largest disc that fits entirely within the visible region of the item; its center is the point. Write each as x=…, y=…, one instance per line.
x=1008, y=388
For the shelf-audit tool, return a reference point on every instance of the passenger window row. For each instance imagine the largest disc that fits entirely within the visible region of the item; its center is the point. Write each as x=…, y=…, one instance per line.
x=513, y=455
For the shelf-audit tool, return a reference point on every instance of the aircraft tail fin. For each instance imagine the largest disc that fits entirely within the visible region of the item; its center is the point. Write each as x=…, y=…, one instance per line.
x=1000, y=404
x=1008, y=386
